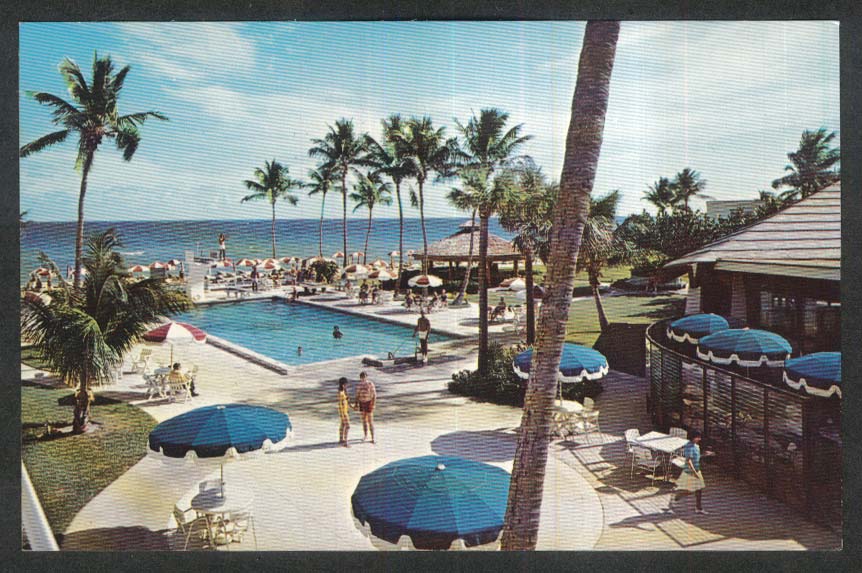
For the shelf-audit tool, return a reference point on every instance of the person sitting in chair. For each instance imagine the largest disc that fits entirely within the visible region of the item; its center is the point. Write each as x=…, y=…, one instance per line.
x=177, y=377
x=498, y=311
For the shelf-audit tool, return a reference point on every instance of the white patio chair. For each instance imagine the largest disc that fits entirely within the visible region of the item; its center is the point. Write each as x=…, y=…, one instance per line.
x=590, y=421
x=644, y=459
x=238, y=523
x=631, y=436
x=142, y=363
x=561, y=422
x=153, y=386
x=186, y=525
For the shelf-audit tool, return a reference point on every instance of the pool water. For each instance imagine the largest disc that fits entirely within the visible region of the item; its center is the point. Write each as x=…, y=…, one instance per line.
x=276, y=328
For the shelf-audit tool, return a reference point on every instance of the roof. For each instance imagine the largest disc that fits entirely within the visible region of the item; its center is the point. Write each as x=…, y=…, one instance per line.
x=457, y=246
x=803, y=240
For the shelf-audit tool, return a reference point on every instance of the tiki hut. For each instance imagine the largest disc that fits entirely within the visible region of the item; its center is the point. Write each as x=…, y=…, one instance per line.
x=455, y=249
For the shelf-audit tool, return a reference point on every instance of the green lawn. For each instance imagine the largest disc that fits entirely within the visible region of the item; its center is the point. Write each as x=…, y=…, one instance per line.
x=583, y=324
x=68, y=472
x=28, y=357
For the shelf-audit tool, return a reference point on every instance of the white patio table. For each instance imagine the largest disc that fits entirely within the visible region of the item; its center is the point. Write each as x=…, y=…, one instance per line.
x=664, y=444
x=216, y=503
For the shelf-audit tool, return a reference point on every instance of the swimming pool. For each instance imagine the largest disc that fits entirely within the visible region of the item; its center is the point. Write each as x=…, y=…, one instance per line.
x=276, y=329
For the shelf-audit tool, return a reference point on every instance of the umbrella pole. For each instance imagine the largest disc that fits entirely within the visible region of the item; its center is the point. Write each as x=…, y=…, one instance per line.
x=221, y=480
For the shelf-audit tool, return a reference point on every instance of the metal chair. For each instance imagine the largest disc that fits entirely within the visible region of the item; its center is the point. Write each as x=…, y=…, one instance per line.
x=643, y=459
x=631, y=436
x=186, y=526
x=238, y=523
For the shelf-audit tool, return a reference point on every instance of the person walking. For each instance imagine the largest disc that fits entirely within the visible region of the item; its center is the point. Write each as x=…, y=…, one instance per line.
x=222, y=246
x=343, y=412
x=423, y=327
x=691, y=479
x=366, y=400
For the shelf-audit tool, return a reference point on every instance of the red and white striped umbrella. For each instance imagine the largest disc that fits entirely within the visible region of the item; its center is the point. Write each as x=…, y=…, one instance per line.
x=138, y=269
x=42, y=272
x=221, y=265
x=394, y=253
x=380, y=263
x=355, y=254
x=158, y=265
x=246, y=263
x=425, y=281
x=337, y=255
x=381, y=275
x=356, y=270
x=176, y=333
x=286, y=260
x=270, y=265
x=175, y=262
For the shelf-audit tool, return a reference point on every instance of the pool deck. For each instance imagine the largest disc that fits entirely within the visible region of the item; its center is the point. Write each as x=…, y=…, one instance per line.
x=302, y=494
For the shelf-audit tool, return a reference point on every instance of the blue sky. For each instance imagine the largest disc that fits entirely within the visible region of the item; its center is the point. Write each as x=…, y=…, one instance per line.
x=728, y=99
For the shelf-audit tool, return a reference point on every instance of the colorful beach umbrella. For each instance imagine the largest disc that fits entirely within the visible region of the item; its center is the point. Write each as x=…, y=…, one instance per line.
x=337, y=255
x=138, y=269
x=226, y=264
x=175, y=262
x=425, y=281
x=158, y=265
x=287, y=260
x=380, y=263
x=42, y=272
x=246, y=263
x=744, y=347
x=695, y=326
x=175, y=333
x=355, y=269
x=577, y=363
x=270, y=264
x=220, y=433
x=432, y=502
x=381, y=275
x=819, y=374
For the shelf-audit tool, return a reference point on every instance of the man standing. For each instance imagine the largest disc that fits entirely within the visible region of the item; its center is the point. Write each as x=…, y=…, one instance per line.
x=423, y=327
x=222, y=247
x=366, y=398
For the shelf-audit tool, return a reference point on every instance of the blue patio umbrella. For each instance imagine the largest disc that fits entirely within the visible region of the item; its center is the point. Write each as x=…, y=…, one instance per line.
x=221, y=433
x=745, y=347
x=818, y=373
x=695, y=326
x=577, y=363
x=433, y=501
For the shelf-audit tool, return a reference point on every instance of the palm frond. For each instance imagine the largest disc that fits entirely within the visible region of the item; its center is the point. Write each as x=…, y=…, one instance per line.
x=127, y=139
x=43, y=142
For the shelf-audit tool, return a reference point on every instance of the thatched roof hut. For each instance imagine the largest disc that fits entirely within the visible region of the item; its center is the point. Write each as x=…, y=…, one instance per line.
x=456, y=247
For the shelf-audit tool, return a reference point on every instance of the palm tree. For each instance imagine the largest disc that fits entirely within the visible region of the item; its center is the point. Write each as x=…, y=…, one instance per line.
x=528, y=215
x=583, y=144
x=463, y=200
x=93, y=115
x=341, y=150
x=486, y=146
x=661, y=195
x=600, y=246
x=389, y=159
x=272, y=183
x=425, y=150
x=686, y=185
x=814, y=166
x=84, y=332
x=322, y=181
x=369, y=192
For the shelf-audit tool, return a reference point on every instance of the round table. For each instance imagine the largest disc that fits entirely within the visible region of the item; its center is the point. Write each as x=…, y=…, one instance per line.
x=215, y=503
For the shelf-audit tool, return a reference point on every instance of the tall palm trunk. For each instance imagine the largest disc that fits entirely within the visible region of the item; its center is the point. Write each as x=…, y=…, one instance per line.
x=400, y=237
x=531, y=301
x=320, y=228
x=81, y=415
x=79, y=232
x=424, y=234
x=273, y=229
x=600, y=308
x=465, y=282
x=344, y=211
x=367, y=234
x=583, y=144
x=483, y=293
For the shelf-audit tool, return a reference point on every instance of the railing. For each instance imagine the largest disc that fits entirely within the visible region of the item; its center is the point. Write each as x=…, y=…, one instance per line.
x=33, y=519
x=781, y=441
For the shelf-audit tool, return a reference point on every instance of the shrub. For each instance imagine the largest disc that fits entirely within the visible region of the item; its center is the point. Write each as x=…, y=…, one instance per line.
x=503, y=386
x=325, y=270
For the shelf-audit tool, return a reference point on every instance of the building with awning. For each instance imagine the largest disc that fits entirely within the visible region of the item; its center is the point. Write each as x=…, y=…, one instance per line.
x=455, y=249
x=782, y=273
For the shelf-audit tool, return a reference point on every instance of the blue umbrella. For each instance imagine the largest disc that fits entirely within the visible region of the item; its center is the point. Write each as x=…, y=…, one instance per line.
x=433, y=501
x=818, y=373
x=745, y=347
x=221, y=433
x=695, y=326
x=576, y=363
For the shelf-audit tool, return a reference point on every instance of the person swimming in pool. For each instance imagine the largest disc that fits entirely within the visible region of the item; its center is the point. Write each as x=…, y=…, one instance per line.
x=336, y=333
x=299, y=350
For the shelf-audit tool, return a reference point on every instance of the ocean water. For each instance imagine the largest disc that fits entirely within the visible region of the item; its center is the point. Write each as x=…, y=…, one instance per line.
x=277, y=328
x=148, y=241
